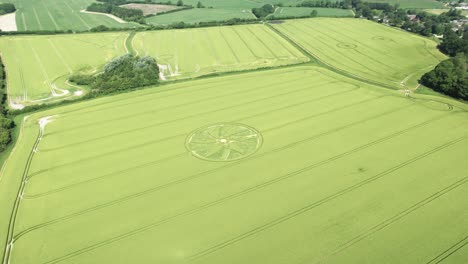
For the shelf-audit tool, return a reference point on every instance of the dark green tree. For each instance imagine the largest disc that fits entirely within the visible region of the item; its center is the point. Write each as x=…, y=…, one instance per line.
x=449, y=77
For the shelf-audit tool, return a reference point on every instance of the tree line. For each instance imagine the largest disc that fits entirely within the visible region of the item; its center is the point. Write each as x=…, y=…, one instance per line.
x=6, y=122
x=110, y=7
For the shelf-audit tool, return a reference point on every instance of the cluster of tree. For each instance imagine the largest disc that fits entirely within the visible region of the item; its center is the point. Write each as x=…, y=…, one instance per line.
x=7, y=8
x=450, y=77
x=314, y=13
x=122, y=73
x=200, y=5
x=111, y=8
x=452, y=44
x=427, y=24
x=325, y=4
x=6, y=123
x=263, y=11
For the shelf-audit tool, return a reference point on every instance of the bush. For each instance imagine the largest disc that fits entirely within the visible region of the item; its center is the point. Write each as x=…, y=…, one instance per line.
x=82, y=79
x=7, y=8
x=111, y=8
x=263, y=11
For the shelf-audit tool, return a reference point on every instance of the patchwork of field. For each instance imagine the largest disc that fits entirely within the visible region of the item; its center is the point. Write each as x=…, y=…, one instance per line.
x=60, y=15
x=358, y=173
x=306, y=11
x=247, y=4
x=413, y=4
x=440, y=11
x=196, y=15
x=38, y=66
x=365, y=49
x=195, y=52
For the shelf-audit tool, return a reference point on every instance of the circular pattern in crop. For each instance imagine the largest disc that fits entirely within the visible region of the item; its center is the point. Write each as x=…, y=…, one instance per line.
x=224, y=142
x=345, y=45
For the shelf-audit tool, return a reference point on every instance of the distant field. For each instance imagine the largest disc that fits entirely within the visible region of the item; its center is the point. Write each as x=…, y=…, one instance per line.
x=38, y=66
x=415, y=4
x=323, y=169
x=195, y=52
x=200, y=15
x=60, y=15
x=305, y=11
x=440, y=11
x=365, y=49
x=249, y=4
x=149, y=9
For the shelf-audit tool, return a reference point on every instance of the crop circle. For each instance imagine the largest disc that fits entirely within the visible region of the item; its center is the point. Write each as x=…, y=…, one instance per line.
x=345, y=45
x=224, y=142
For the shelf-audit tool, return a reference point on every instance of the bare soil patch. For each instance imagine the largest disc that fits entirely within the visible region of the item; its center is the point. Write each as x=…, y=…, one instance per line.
x=8, y=22
x=151, y=9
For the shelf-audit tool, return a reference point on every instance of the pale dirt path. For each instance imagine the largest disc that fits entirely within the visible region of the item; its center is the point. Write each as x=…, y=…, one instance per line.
x=118, y=19
x=8, y=22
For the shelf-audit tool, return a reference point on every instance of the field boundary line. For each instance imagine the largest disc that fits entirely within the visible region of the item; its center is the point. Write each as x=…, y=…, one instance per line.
x=11, y=226
x=280, y=41
x=254, y=188
x=450, y=251
x=320, y=202
x=389, y=221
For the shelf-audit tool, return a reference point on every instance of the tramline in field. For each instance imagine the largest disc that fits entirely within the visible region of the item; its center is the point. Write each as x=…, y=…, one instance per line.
x=365, y=49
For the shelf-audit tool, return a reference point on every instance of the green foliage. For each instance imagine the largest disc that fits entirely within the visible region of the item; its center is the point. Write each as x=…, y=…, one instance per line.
x=200, y=5
x=263, y=11
x=82, y=79
x=7, y=8
x=100, y=28
x=449, y=77
x=180, y=3
x=314, y=13
x=111, y=8
x=127, y=72
x=452, y=44
x=6, y=124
